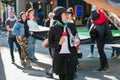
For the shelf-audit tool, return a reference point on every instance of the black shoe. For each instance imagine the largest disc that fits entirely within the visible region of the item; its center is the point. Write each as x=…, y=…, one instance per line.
x=102, y=70
x=32, y=59
x=13, y=62
x=75, y=75
x=106, y=70
x=35, y=59
x=49, y=73
x=98, y=70
x=112, y=55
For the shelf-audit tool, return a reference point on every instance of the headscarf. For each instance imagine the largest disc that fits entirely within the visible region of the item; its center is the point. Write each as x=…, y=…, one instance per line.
x=57, y=13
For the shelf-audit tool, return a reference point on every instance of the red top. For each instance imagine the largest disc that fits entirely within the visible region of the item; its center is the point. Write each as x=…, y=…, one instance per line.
x=28, y=17
x=103, y=18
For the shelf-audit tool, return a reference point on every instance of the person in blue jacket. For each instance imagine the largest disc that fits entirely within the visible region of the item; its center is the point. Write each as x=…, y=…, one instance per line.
x=21, y=30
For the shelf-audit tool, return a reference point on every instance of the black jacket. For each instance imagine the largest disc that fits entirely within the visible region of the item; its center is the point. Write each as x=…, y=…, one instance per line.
x=47, y=23
x=104, y=33
x=62, y=63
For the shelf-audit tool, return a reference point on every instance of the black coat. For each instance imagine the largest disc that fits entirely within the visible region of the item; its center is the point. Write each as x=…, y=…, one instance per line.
x=104, y=33
x=62, y=63
x=47, y=23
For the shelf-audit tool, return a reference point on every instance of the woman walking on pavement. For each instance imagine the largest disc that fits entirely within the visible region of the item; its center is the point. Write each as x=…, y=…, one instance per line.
x=65, y=60
x=100, y=22
x=21, y=30
x=32, y=27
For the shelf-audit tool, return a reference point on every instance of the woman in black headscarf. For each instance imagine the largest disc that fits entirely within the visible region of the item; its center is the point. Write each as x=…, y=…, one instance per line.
x=63, y=37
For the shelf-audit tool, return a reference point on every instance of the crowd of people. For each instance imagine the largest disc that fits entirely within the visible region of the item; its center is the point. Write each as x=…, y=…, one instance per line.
x=62, y=37
x=20, y=33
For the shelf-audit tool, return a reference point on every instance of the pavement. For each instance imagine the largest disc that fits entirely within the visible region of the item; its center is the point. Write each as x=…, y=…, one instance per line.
x=37, y=72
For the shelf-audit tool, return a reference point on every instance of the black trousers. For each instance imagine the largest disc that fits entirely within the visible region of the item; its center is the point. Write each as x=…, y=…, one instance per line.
x=103, y=58
x=66, y=76
x=11, y=42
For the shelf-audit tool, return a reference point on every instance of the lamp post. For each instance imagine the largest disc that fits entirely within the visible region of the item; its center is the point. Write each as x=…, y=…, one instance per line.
x=67, y=3
x=17, y=8
x=51, y=4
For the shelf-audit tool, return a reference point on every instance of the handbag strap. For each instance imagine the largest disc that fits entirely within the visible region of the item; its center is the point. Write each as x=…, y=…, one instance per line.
x=91, y=27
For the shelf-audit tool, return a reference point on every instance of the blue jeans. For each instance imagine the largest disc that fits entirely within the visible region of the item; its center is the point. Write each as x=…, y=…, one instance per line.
x=31, y=47
x=92, y=48
x=11, y=42
x=117, y=51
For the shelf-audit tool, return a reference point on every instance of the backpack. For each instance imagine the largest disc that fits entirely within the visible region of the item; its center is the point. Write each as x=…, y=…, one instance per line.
x=108, y=33
x=93, y=33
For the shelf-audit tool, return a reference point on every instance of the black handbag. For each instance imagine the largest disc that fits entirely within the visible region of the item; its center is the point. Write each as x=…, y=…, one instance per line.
x=79, y=55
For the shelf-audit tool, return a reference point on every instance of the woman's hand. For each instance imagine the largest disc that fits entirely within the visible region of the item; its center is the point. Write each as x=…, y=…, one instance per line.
x=45, y=43
x=20, y=38
x=31, y=33
x=62, y=40
x=77, y=42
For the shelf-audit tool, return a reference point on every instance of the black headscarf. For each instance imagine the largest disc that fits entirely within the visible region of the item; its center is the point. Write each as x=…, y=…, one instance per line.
x=95, y=15
x=26, y=27
x=58, y=11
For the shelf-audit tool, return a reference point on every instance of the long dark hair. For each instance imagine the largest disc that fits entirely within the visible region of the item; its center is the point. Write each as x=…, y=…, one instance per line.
x=21, y=20
x=58, y=18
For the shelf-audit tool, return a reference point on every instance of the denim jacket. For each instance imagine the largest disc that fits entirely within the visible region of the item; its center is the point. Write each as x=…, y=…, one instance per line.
x=18, y=29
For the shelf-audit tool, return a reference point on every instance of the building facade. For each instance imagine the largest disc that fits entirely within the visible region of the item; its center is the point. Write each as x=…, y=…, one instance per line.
x=43, y=7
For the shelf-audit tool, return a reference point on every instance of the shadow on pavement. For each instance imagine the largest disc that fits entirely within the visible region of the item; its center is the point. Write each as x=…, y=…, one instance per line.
x=87, y=67
x=40, y=64
x=35, y=70
x=2, y=72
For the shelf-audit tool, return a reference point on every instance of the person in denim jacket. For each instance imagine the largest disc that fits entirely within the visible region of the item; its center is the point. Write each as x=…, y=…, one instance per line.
x=18, y=29
x=21, y=30
x=33, y=26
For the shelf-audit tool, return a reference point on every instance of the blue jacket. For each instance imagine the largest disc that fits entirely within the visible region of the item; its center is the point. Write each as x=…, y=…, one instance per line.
x=18, y=29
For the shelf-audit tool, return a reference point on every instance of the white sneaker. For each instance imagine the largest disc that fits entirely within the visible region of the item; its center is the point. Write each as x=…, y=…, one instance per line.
x=98, y=56
x=114, y=57
x=90, y=55
x=118, y=57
